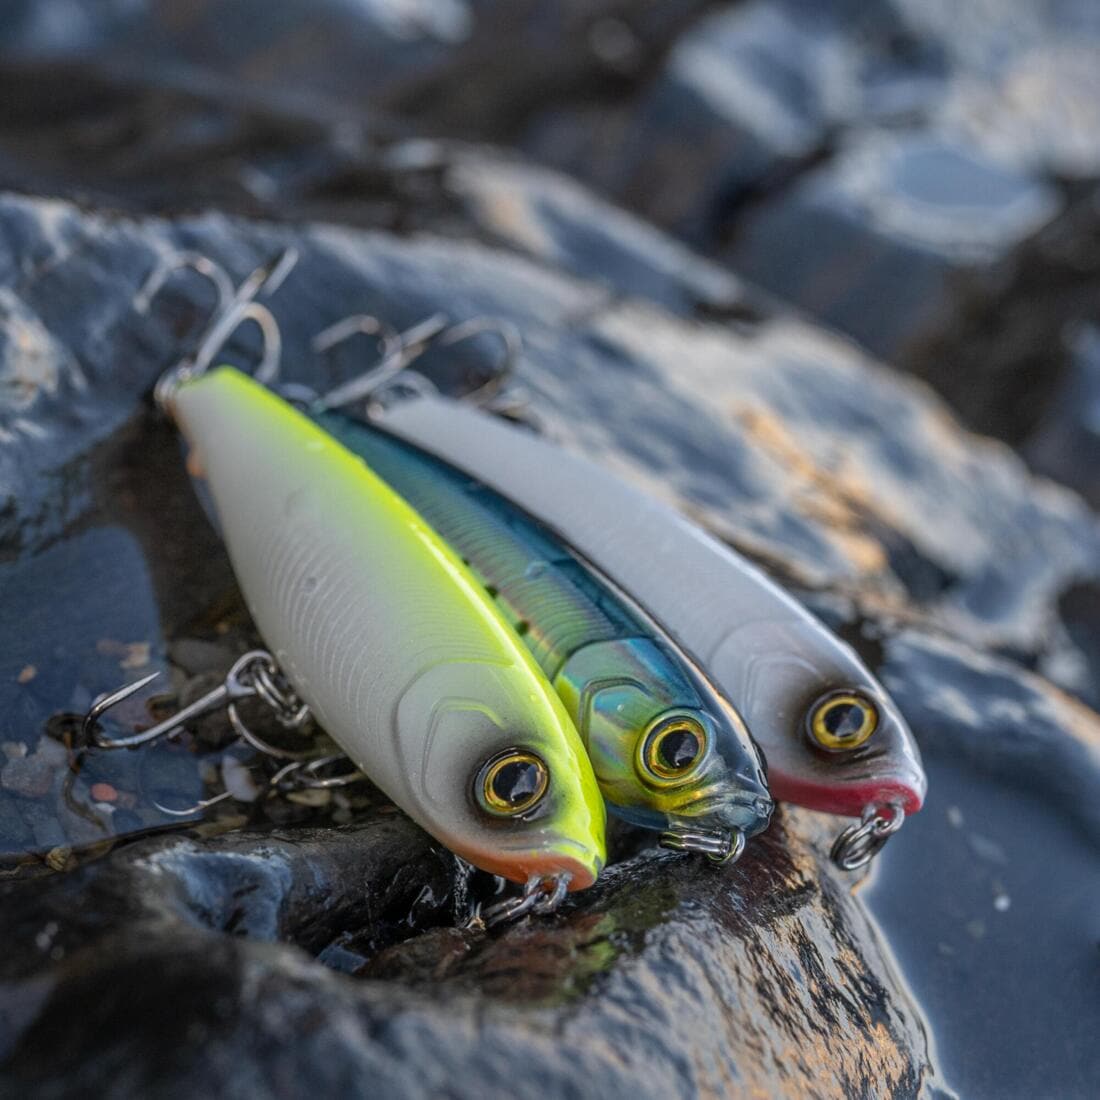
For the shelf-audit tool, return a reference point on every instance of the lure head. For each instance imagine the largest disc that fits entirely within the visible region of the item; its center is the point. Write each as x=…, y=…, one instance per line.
x=833, y=738
x=501, y=775
x=666, y=751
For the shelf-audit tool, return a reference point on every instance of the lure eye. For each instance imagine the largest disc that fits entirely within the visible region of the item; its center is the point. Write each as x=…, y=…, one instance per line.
x=842, y=722
x=673, y=748
x=511, y=782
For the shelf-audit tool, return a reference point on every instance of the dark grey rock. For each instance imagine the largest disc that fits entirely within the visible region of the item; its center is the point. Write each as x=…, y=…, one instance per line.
x=663, y=961
x=891, y=219
x=748, y=96
x=1065, y=444
x=1004, y=358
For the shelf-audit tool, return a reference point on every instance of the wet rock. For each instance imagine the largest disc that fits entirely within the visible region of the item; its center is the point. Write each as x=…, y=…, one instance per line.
x=1047, y=744
x=634, y=961
x=1011, y=832
x=243, y=47
x=1005, y=358
x=892, y=220
x=748, y=96
x=183, y=150
x=550, y=217
x=1065, y=445
x=440, y=63
x=33, y=775
x=887, y=167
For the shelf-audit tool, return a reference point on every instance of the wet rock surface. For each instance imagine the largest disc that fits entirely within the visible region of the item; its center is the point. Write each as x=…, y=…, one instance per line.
x=280, y=945
x=665, y=980
x=851, y=157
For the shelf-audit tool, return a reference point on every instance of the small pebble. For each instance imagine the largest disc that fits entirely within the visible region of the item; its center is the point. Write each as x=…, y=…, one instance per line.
x=137, y=655
x=44, y=938
x=104, y=792
x=28, y=673
x=33, y=776
x=58, y=859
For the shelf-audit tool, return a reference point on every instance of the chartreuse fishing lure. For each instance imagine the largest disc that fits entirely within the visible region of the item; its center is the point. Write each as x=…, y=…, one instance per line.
x=668, y=751
x=833, y=739
x=385, y=634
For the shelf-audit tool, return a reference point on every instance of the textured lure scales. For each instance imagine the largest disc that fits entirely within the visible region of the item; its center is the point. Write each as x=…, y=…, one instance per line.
x=382, y=630
x=668, y=751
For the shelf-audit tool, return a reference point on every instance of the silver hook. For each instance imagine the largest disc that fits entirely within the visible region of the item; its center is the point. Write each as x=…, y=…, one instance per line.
x=306, y=774
x=542, y=894
x=358, y=324
x=398, y=352
x=858, y=844
x=198, y=807
x=253, y=675
x=718, y=845
x=242, y=307
x=401, y=350
x=297, y=775
x=511, y=340
x=202, y=265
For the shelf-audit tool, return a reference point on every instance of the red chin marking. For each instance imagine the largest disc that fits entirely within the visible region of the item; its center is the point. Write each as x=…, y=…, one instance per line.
x=846, y=799
x=523, y=865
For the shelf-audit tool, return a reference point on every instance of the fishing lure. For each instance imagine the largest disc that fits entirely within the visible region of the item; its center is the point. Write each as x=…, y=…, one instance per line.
x=833, y=739
x=390, y=641
x=668, y=751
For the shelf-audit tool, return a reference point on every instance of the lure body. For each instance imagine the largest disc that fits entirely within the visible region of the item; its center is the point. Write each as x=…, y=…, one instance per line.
x=384, y=633
x=622, y=681
x=789, y=678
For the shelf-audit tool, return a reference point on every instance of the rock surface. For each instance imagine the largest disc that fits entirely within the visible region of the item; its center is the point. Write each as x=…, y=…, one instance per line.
x=276, y=946
x=667, y=980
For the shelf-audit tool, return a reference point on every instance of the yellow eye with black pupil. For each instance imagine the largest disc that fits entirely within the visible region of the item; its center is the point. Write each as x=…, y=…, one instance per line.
x=839, y=723
x=674, y=748
x=512, y=782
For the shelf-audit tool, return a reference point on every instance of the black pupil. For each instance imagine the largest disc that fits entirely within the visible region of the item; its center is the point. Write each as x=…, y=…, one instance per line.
x=516, y=782
x=844, y=720
x=678, y=749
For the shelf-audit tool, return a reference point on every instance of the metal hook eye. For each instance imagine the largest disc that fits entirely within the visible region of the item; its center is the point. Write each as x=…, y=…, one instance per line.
x=858, y=844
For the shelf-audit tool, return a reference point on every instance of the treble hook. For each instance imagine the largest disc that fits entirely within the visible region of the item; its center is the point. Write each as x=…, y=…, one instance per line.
x=307, y=775
x=255, y=675
x=235, y=307
x=542, y=895
x=717, y=845
x=401, y=350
